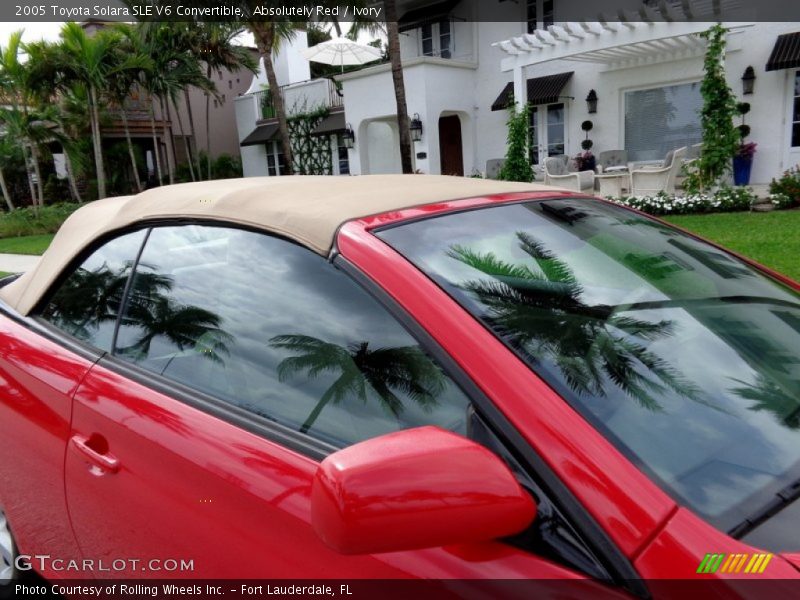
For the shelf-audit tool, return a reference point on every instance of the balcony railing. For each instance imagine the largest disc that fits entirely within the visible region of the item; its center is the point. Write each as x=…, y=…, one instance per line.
x=296, y=96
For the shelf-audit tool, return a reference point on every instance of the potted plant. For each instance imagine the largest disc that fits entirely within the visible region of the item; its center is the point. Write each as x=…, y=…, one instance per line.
x=585, y=161
x=743, y=158
x=743, y=162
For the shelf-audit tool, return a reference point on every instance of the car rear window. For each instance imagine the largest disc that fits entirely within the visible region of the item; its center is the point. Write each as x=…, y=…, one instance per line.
x=686, y=358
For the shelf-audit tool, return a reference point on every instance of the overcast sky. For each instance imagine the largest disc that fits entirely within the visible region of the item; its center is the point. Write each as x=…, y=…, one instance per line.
x=33, y=31
x=49, y=31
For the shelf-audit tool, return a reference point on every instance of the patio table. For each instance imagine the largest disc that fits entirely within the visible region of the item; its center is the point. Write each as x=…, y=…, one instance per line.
x=613, y=184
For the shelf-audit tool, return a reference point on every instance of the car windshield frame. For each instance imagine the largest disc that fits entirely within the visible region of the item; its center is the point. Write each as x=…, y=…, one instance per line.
x=419, y=228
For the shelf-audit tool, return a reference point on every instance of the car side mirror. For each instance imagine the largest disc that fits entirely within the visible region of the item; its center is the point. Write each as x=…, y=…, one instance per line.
x=417, y=488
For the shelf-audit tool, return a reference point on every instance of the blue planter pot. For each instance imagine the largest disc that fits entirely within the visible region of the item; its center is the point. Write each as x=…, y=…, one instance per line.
x=741, y=170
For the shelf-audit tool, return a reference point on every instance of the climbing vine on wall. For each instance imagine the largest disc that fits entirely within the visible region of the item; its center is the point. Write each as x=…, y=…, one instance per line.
x=720, y=138
x=312, y=154
x=517, y=165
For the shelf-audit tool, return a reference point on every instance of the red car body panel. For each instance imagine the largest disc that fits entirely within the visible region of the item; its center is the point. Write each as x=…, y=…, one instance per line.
x=37, y=380
x=190, y=485
x=674, y=551
x=149, y=476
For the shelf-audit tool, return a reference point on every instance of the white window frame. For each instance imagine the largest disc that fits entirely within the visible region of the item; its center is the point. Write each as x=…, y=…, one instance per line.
x=336, y=148
x=540, y=22
x=794, y=96
x=273, y=150
x=436, y=39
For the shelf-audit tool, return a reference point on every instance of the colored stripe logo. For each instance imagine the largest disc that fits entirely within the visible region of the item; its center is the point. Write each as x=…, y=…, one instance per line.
x=735, y=563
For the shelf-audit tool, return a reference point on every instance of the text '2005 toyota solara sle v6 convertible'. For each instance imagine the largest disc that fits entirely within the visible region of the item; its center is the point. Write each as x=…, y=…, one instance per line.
x=397, y=377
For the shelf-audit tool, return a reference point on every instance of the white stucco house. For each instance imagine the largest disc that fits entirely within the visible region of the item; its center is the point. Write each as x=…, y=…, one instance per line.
x=464, y=62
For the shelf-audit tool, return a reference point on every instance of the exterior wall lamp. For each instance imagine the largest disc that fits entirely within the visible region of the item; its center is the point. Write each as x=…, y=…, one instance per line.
x=348, y=137
x=591, y=102
x=748, y=81
x=416, y=128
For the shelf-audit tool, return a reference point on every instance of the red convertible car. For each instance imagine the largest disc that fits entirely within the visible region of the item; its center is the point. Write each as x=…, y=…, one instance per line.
x=396, y=377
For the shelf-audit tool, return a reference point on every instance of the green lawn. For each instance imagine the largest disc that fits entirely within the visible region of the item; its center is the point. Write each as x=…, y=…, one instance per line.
x=772, y=238
x=30, y=244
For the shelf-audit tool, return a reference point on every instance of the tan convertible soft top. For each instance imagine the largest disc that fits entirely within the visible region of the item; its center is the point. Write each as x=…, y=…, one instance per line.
x=308, y=210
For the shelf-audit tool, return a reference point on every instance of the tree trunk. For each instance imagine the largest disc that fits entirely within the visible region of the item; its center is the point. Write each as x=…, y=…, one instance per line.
x=31, y=185
x=265, y=38
x=185, y=141
x=73, y=185
x=193, y=133
x=130, y=149
x=208, y=125
x=37, y=169
x=156, y=149
x=167, y=130
x=393, y=37
x=98, y=149
x=4, y=188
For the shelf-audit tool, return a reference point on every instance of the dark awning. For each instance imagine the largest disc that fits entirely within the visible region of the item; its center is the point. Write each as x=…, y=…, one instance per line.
x=430, y=13
x=541, y=90
x=333, y=123
x=785, y=53
x=261, y=134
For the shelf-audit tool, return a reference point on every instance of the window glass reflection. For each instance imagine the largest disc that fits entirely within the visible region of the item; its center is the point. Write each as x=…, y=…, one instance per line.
x=271, y=327
x=86, y=304
x=686, y=358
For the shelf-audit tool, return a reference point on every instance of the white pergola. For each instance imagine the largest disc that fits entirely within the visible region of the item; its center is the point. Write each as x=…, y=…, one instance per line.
x=630, y=40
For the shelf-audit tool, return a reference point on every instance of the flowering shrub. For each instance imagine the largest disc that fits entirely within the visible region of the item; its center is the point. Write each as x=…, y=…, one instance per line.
x=781, y=201
x=726, y=199
x=788, y=185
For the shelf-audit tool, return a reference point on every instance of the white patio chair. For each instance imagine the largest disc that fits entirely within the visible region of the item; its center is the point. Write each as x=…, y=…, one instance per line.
x=556, y=173
x=649, y=182
x=612, y=158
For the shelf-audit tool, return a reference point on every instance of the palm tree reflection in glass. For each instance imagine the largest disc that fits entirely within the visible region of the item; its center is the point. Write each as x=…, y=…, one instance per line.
x=150, y=310
x=387, y=371
x=540, y=313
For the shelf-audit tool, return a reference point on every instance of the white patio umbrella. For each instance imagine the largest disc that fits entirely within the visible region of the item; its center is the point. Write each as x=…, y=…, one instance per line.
x=342, y=51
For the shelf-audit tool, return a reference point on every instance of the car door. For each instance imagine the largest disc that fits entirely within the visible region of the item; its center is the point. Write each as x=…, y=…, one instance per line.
x=37, y=380
x=40, y=369
x=238, y=362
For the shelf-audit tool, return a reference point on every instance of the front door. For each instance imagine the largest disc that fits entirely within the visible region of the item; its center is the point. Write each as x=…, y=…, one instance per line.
x=450, y=147
x=546, y=132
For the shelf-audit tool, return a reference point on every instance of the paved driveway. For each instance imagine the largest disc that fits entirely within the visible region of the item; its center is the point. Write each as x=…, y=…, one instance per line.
x=16, y=263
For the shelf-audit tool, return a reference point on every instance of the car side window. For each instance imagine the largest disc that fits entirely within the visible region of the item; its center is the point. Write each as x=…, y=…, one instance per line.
x=271, y=327
x=86, y=304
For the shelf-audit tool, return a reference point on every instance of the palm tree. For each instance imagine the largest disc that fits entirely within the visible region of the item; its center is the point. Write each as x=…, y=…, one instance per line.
x=268, y=36
x=35, y=127
x=173, y=70
x=538, y=309
x=393, y=40
x=6, y=151
x=90, y=60
x=66, y=100
x=406, y=370
x=75, y=126
x=15, y=80
x=130, y=66
x=213, y=43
